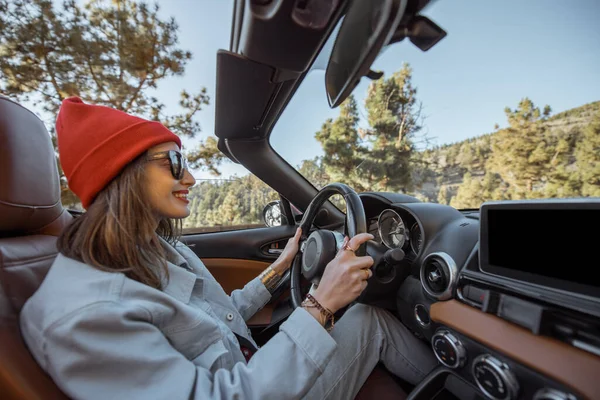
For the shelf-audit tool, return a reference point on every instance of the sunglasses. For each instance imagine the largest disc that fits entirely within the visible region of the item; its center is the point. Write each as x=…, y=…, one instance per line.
x=177, y=162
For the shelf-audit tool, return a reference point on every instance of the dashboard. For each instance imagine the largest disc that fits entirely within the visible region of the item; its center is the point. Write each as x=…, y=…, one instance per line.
x=395, y=231
x=510, y=310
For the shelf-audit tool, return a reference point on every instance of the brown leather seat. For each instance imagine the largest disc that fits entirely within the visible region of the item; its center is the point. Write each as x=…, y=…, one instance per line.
x=31, y=218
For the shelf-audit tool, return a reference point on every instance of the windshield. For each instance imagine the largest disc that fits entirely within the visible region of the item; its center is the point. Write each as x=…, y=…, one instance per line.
x=504, y=107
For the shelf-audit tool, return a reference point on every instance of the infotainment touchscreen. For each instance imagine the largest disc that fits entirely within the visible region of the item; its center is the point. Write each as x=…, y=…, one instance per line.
x=549, y=243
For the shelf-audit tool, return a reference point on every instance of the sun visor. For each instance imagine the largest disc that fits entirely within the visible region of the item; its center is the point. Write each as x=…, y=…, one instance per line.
x=244, y=91
x=223, y=148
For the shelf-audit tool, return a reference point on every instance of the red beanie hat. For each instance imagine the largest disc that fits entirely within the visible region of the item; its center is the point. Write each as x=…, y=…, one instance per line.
x=96, y=142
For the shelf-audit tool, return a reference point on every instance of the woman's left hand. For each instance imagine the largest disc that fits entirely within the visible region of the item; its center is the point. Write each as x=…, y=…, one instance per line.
x=284, y=261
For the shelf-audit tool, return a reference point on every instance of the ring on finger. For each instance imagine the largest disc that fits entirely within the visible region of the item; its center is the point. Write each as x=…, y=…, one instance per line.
x=347, y=247
x=367, y=272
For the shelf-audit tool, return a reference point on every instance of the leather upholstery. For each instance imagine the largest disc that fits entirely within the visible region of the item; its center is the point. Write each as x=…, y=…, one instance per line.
x=25, y=262
x=31, y=218
x=29, y=182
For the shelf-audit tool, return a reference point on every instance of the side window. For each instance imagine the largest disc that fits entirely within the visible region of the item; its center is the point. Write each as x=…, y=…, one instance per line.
x=221, y=204
x=229, y=204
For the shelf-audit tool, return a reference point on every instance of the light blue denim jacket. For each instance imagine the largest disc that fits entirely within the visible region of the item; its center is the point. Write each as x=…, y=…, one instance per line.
x=101, y=335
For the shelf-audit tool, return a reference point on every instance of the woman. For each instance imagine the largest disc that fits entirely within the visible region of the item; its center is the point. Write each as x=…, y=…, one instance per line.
x=127, y=311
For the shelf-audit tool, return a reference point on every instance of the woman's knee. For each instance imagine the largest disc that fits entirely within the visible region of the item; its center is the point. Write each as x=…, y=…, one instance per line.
x=364, y=317
x=371, y=318
x=360, y=310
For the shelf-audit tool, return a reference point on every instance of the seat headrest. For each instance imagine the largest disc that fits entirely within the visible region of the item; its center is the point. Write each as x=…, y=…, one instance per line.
x=29, y=181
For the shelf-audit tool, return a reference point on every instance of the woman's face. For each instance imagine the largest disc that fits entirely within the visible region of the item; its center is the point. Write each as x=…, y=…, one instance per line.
x=167, y=195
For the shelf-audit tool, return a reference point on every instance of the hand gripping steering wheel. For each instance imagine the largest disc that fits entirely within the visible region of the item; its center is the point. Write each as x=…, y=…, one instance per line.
x=321, y=246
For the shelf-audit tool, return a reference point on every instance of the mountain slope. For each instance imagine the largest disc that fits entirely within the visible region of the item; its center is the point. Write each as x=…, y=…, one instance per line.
x=446, y=171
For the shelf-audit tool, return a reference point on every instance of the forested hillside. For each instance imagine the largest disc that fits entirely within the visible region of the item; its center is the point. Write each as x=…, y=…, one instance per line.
x=228, y=202
x=536, y=156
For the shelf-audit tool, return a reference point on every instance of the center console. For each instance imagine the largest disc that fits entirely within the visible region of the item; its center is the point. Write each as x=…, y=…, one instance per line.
x=524, y=318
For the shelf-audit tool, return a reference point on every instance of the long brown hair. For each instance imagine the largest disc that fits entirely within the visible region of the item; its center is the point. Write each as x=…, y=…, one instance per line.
x=118, y=231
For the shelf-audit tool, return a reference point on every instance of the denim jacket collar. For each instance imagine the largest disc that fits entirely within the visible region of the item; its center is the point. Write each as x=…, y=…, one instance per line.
x=181, y=280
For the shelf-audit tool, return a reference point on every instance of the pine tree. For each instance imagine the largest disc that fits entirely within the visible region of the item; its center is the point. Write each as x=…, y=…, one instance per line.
x=107, y=53
x=314, y=171
x=341, y=145
x=393, y=115
x=521, y=153
x=587, y=155
x=562, y=182
x=377, y=157
x=442, y=197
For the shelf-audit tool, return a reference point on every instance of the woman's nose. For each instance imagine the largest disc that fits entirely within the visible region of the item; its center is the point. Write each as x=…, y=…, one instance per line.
x=188, y=179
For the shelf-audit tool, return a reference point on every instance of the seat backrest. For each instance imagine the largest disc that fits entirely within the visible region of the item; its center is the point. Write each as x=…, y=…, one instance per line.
x=31, y=218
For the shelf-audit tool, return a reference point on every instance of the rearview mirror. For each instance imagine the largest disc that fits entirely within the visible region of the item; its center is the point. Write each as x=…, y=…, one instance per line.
x=367, y=26
x=421, y=31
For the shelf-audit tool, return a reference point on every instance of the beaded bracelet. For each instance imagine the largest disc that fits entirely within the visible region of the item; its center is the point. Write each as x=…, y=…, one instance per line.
x=311, y=302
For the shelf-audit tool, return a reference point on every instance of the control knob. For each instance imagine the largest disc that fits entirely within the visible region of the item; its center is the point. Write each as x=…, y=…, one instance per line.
x=448, y=349
x=552, y=394
x=494, y=378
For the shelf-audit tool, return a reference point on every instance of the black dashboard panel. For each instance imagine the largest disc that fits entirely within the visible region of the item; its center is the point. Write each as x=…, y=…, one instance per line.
x=436, y=233
x=542, y=242
x=433, y=231
x=444, y=230
x=446, y=268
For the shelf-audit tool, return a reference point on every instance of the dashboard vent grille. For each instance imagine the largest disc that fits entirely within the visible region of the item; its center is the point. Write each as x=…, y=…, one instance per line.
x=439, y=275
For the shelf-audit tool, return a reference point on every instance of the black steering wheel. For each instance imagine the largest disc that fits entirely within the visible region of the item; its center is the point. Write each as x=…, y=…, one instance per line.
x=321, y=246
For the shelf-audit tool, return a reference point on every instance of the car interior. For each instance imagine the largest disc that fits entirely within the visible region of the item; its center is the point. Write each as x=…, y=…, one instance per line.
x=507, y=314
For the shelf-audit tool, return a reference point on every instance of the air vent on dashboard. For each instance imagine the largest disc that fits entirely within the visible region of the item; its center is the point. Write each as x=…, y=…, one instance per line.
x=438, y=275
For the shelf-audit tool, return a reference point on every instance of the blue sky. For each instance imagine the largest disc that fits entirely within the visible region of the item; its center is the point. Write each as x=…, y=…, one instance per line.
x=495, y=53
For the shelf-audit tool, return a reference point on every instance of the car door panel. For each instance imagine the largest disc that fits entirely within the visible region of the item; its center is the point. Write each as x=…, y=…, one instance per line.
x=236, y=257
x=245, y=244
x=234, y=273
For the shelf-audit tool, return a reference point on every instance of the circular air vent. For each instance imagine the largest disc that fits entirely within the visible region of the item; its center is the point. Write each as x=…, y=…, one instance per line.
x=438, y=275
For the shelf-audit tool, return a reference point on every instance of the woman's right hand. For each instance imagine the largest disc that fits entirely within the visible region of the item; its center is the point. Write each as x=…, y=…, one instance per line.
x=345, y=276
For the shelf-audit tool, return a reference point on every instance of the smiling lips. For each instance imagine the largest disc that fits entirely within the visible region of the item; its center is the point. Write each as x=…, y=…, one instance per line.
x=182, y=195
